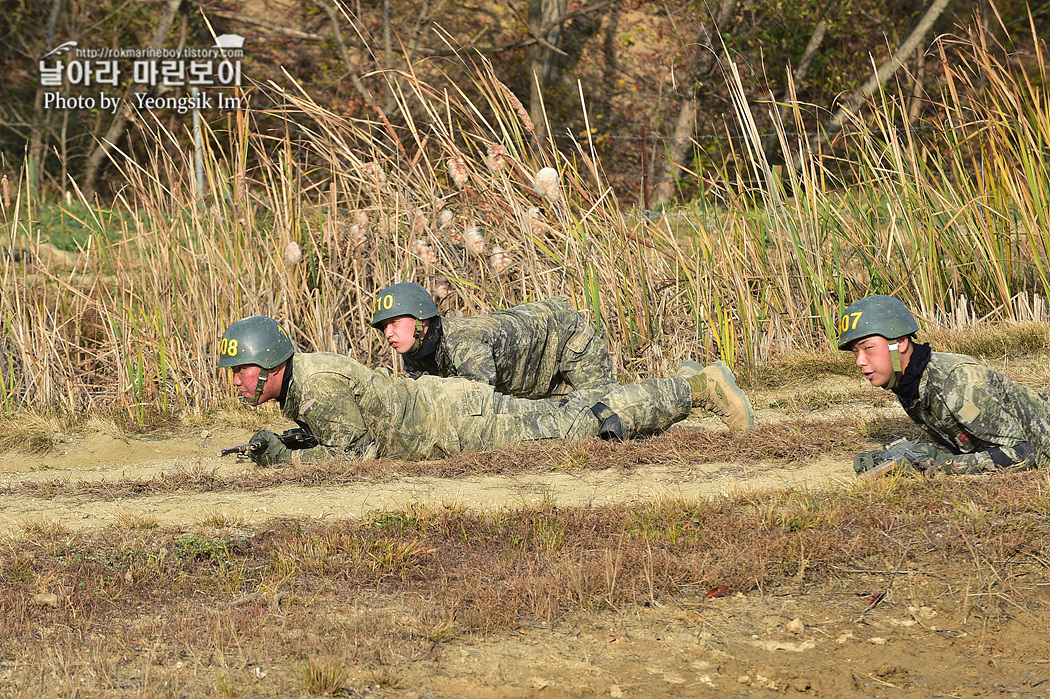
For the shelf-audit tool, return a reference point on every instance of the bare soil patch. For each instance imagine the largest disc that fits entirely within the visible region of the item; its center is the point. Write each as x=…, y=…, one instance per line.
x=696, y=564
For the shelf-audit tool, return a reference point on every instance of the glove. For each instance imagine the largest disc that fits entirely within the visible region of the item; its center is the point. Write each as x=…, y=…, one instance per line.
x=266, y=449
x=865, y=461
x=928, y=449
x=917, y=457
x=872, y=464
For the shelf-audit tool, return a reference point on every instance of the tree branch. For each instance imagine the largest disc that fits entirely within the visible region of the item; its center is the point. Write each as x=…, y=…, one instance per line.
x=815, y=41
x=884, y=72
x=264, y=23
x=120, y=120
x=685, y=125
x=351, y=69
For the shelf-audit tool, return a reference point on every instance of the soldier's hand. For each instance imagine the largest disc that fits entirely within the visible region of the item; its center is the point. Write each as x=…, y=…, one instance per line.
x=265, y=449
x=913, y=456
x=865, y=461
x=882, y=461
x=903, y=456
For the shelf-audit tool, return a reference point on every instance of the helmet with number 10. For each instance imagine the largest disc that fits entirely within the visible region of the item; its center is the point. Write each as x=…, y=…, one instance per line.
x=403, y=299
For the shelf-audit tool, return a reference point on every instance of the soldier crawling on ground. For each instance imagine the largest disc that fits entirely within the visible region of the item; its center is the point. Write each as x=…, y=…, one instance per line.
x=978, y=420
x=541, y=349
x=354, y=411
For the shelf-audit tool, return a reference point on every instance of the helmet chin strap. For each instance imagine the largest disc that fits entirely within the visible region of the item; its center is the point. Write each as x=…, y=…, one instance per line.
x=895, y=360
x=260, y=385
x=420, y=332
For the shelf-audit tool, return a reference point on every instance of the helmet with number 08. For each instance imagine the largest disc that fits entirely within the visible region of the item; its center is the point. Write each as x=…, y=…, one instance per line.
x=256, y=340
x=875, y=315
x=403, y=299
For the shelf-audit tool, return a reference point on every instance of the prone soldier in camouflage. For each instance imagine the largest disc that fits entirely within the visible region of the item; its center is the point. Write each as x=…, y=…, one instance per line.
x=978, y=420
x=535, y=350
x=356, y=412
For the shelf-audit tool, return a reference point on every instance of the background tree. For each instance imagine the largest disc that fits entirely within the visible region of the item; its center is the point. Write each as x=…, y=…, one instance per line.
x=119, y=125
x=643, y=66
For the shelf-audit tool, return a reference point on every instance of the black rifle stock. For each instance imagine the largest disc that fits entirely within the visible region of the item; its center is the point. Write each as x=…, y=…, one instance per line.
x=295, y=438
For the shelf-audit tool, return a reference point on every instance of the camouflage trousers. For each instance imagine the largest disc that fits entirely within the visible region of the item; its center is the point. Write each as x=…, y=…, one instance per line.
x=645, y=407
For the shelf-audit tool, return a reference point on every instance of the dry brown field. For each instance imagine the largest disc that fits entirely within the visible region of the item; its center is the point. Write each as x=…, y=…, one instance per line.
x=698, y=563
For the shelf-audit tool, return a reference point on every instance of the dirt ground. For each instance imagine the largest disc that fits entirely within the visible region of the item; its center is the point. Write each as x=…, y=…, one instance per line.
x=942, y=629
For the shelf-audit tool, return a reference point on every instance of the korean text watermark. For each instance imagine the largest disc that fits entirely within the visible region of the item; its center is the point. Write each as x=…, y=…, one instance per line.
x=210, y=75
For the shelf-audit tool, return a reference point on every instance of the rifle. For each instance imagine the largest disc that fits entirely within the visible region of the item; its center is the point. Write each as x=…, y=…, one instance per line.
x=295, y=438
x=908, y=455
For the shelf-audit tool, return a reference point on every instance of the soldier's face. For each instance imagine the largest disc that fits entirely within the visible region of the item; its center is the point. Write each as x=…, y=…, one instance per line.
x=873, y=360
x=246, y=379
x=400, y=332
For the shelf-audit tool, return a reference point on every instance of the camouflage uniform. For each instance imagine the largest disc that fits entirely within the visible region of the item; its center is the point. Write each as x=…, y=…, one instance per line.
x=354, y=410
x=986, y=420
x=535, y=350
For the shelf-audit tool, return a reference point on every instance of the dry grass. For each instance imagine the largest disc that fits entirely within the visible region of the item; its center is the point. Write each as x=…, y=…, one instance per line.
x=783, y=443
x=325, y=676
x=221, y=519
x=133, y=520
x=365, y=596
x=993, y=341
x=133, y=331
x=801, y=367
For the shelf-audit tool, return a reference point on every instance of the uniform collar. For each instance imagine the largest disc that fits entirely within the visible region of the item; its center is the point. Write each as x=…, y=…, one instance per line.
x=430, y=341
x=908, y=387
x=286, y=382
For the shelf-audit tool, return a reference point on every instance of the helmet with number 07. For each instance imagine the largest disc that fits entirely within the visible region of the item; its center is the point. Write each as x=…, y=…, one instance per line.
x=256, y=340
x=875, y=315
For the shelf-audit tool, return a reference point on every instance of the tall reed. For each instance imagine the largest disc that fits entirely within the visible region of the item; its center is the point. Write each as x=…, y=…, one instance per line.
x=307, y=221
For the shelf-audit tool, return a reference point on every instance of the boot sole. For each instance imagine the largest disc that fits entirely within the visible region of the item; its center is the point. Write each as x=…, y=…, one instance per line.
x=731, y=380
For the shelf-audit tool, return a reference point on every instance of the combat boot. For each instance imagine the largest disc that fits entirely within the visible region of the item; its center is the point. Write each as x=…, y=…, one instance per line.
x=714, y=388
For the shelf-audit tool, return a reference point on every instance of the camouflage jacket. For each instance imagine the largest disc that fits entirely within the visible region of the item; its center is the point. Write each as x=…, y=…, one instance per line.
x=986, y=420
x=357, y=412
x=534, y=350
x=366, y=413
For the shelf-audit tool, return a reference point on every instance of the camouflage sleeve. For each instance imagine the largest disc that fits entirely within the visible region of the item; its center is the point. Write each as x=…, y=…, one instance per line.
x=1018, y=457
x=473, y=360
x=335, y=419
x=977, y=403
x=361, y=452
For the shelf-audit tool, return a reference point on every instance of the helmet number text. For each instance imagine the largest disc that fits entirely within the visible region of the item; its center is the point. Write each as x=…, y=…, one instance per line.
x=384, y=303
x=844, y=323
x=228, y=347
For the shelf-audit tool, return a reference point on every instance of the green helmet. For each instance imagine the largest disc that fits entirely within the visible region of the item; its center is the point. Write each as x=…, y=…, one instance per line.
x=878, y=315
x=403, y=299
x=875, y=315
x=256, y=340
